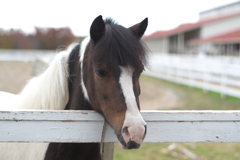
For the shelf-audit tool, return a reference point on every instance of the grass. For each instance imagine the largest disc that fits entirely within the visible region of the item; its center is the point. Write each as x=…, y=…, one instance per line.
x=193, y=99
x=158, y=151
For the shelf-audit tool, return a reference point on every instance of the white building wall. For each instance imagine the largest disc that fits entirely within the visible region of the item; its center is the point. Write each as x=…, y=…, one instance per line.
x=158, y=45
x=227, y=9
x=219, y=27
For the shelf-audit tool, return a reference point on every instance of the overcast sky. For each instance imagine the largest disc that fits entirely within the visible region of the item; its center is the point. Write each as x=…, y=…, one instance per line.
x=79, y=14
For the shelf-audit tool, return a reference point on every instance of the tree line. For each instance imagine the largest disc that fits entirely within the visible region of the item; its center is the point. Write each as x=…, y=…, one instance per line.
x=42, y=38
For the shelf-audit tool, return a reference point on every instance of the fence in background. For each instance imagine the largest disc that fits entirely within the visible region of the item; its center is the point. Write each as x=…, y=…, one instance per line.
x=26, y=55
x=218, y=74
x=87, y=126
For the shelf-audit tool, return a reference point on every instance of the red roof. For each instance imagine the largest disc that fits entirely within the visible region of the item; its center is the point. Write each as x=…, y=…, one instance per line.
x=229, y=37
x=188, y=26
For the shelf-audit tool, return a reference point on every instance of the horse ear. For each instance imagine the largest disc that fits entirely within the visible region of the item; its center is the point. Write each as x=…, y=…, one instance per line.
x=97, y=29
x=140, y=28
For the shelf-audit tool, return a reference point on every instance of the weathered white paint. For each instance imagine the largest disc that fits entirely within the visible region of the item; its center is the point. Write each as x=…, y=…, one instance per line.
x=81, y=54
x=86, y=126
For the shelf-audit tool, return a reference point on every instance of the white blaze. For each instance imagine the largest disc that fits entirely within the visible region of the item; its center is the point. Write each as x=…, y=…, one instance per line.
x=133, y=118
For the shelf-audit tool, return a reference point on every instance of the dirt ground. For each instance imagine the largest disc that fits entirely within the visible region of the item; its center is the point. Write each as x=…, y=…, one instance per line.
x=14, y=75
x=155, y=97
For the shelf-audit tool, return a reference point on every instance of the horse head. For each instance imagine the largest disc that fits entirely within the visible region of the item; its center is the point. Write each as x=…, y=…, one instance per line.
x=113, y=59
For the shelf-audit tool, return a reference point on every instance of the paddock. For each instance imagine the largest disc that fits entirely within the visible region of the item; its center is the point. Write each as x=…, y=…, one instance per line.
x=217, y=73
x=42, y=126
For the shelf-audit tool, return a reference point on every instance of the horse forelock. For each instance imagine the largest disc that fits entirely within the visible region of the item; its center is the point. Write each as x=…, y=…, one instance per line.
x=119, y=47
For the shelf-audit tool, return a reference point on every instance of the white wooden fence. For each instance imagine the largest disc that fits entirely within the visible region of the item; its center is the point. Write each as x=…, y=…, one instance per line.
x=218, y=74
x=87, y=126
x=26, y=55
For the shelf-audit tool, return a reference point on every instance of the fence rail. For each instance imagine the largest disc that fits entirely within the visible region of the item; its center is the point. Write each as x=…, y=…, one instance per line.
x=26, y=55
x=86, y=126
x=218, y=75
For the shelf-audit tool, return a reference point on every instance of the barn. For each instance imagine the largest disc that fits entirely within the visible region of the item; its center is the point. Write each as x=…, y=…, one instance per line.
x=216, y=33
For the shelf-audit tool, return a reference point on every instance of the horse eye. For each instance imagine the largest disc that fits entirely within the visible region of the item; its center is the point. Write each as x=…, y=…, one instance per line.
x=101, y=73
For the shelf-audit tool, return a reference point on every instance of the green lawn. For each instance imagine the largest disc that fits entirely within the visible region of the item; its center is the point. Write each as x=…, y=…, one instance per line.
x=193, y=99
x=158, y=151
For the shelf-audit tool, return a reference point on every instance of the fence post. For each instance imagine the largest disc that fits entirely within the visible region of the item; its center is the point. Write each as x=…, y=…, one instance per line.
x=107, y=151
x=191, y=69
x=223, y=81
x=205, y=77
x=177, y=72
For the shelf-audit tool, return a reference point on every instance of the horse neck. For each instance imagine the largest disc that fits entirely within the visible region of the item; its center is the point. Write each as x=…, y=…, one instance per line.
x=49, y=90
x=77, y=99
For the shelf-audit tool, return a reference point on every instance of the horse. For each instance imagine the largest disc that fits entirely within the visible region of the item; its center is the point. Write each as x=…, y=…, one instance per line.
x=101, y=73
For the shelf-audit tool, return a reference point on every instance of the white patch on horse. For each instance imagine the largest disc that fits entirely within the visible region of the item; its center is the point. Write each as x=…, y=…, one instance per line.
x=133, y=118
x=48, y=91
x=23, y=151
x=81, y=54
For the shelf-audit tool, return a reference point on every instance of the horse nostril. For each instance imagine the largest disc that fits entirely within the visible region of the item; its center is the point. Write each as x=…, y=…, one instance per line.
x=125, y=131
x=126, y=134
x=145, y=126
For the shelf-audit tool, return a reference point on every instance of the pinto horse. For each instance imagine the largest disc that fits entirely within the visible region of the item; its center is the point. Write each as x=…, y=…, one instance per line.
x=101, y=74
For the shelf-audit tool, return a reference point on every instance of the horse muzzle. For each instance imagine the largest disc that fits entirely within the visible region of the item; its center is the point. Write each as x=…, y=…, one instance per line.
x=132, y=137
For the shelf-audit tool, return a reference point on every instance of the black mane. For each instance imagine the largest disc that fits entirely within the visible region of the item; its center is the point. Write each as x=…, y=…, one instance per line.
x=110, y=20
x=119, y=46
